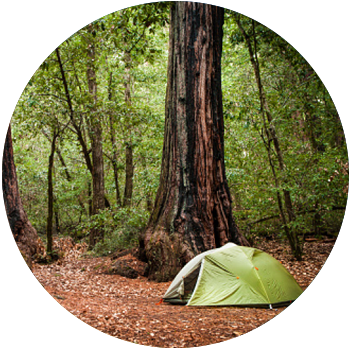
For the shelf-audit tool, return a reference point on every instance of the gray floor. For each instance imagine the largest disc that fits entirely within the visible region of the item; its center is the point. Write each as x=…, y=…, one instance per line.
x=319, y=319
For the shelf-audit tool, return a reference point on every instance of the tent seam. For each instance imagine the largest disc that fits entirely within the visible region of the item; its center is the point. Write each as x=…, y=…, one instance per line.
x=198, y=280
x=257, y=274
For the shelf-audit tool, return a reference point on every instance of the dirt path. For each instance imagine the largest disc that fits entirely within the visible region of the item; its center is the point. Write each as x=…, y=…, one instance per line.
x=127, y=308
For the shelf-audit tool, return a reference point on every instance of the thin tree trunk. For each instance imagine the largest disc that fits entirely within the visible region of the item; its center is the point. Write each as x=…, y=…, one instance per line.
x=63, y=163
x=23, y=232
x=116, y=178
x=129, y=157
x=50, y=213
x=290, y=236
x=114, y=145
x=77, y=127
x=69, y=177
x=129, y=175
x=272, y=136
x=98, y=192
x=90, y=198
x=98, y=198
x=192, y=211
x=57, y=220
x=72, y=115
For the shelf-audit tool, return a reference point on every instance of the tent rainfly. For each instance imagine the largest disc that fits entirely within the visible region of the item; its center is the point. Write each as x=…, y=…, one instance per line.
x=233, y=275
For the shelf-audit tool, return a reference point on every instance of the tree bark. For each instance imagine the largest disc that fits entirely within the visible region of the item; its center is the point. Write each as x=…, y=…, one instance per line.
x=114, y=146
x=116, y=179
x=57, y=219
x=49, y=226
x=90, y=198
x=129, y=175
x=192, y=211
x=23, y=232
x=95, y=130
x=129, y=157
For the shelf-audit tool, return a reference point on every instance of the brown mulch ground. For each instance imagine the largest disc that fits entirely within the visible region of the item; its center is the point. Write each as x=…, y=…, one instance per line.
x=126, y=308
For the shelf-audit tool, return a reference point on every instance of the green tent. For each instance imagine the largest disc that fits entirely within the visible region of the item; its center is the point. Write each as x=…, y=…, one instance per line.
x=233, y=275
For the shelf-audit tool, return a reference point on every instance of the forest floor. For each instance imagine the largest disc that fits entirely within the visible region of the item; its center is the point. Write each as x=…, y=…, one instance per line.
x=126, y=308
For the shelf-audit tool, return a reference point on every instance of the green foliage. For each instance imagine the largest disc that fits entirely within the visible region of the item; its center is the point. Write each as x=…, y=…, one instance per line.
x=307, y=125
x=131, y=48
x=121, y=228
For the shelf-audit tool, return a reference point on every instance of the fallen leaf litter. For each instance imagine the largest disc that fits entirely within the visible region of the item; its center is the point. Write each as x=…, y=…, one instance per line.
x=126, y=308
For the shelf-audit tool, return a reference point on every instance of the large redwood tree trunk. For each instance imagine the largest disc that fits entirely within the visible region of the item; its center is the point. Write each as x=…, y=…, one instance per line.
x=192, y=211
x=23, y=232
